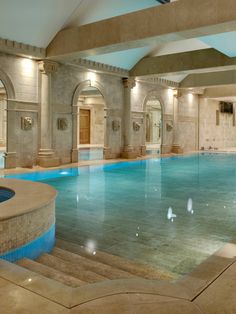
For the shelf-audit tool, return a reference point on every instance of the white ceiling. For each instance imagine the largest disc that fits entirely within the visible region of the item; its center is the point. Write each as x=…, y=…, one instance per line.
x=36, y=22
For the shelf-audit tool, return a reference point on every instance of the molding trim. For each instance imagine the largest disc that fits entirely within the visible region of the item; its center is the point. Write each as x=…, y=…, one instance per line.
x=22, y=110
x=20, y=49
x=100, y=67
x=160, y=81
x=23, y=101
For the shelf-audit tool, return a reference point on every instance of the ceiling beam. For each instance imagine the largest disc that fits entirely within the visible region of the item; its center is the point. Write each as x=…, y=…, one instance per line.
x=216, y=92
x=183, y=63
x=221, y=78
x=173, y=21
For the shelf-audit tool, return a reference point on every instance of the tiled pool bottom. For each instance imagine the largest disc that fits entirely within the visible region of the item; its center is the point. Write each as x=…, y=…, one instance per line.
x=122, y=208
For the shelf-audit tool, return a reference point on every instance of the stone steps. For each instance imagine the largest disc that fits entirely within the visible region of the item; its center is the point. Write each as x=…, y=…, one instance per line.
x=70, y=269
x=116, y=262
x=51, y=273
x=91, y=265
x=69, y=264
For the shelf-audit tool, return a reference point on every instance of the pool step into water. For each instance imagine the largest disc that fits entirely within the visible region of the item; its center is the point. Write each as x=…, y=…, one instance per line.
x=70, y=269
x=116, y=262
x=94, y=266
x=71, y=265
x=51, y=273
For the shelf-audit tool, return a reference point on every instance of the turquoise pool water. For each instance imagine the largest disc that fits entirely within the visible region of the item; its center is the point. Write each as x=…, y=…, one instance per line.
x=123, y=208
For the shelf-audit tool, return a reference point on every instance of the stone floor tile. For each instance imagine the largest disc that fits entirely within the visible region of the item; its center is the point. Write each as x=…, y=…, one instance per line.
x=219, y=297
x=17, y=300
x=137, y=304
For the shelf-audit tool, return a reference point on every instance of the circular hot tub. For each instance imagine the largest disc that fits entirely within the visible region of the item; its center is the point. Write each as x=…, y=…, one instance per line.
x=27, y=219
x=6, y=194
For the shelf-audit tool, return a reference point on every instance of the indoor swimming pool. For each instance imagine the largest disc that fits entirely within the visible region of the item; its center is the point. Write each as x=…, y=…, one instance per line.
x=171, y=213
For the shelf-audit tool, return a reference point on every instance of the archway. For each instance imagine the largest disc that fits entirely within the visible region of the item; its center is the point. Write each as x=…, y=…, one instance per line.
x=9, y=94
x=3, y=123
x=153, y=125
x=90, y=121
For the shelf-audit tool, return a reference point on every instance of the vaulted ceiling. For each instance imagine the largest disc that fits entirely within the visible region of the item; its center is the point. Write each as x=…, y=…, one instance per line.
x=36, y=22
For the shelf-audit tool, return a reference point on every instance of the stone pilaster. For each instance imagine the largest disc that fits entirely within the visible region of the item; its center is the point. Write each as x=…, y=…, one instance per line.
x=46, y=155
x=176, y=147
x=128, y=151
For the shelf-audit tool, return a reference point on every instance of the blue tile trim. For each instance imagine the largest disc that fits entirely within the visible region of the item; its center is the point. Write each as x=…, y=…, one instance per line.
x=42, y=244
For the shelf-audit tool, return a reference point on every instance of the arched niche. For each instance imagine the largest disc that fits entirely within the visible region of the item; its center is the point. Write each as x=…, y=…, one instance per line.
x=75, y=112
x=152, y=98
x=7, y=84
x=10, y=95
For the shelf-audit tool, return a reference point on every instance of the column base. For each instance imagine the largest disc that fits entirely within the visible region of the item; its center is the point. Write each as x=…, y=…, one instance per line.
x=129, y=153
x=47, y=158
x=75, y=155
x=166, y=149
x=10, y=160
x=177, y=149
x=143, y=150
x=108, y=154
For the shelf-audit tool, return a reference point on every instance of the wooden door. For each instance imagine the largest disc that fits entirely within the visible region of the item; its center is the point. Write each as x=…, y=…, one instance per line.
x=84, y=123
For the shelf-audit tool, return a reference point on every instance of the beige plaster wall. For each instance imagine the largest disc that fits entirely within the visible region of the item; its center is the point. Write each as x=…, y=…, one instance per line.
x=216, y=136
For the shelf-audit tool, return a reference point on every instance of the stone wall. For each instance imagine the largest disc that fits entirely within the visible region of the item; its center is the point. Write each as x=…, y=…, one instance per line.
x=211, y=134
x=20, y=78
x=143, y=92
x=187, y=122
x=58, y=86
x=67, y=84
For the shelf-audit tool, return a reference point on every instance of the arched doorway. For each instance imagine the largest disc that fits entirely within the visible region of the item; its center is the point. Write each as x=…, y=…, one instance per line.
x=90, y=123
x=153, y=126
x=3, y=123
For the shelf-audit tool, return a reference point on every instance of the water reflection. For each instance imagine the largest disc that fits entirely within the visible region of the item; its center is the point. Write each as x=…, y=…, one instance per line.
x=90, y=247
x=170, y=214
x=190, y=206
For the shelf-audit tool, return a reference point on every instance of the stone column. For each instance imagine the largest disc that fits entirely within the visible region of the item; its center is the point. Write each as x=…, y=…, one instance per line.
x=75, y=127
x=176, y=148
x=106, y=149
x=143, y=146
x=128, y=151
x=46, y=155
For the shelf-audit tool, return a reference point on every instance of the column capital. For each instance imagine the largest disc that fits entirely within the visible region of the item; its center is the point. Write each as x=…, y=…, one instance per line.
x=47, y=66
x=129, y=82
